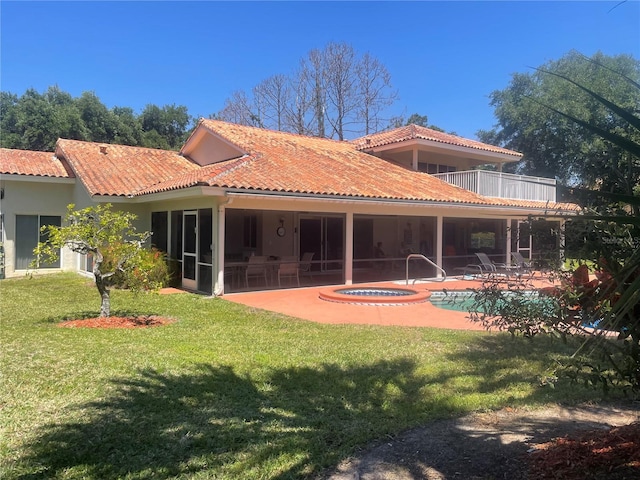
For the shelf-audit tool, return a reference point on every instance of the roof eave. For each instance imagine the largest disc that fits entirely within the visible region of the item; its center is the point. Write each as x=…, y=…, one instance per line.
x=21, y=177
x=491, y=156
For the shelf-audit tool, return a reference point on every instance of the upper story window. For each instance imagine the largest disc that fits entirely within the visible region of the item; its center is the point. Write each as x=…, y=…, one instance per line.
x=432, y=168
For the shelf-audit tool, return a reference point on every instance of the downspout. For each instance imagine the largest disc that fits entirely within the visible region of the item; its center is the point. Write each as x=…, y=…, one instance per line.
x=218, y=289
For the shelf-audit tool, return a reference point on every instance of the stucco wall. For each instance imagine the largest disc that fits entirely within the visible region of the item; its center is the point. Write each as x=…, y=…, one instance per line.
x=33, y=198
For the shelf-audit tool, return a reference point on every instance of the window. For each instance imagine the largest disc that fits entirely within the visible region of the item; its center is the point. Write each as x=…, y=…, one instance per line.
x=483, y=240
x=160, y=230
x=250, y=231
x=433, y=168
x=28, y=234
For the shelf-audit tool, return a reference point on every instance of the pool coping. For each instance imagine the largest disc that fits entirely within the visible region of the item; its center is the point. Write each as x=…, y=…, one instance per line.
x=334, y=295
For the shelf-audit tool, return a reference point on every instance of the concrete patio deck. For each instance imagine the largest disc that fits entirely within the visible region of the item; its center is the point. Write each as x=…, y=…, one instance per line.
x=306, y=304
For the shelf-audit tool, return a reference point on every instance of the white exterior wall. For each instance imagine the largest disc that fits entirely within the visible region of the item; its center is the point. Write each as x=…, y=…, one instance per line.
x=34, y=196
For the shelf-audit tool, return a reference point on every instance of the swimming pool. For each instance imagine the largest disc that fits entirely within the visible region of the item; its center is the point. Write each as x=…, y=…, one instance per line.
x=464, y=300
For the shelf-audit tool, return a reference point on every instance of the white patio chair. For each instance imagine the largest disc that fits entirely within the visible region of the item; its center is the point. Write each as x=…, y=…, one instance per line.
x=256, y=268
x=289, y=268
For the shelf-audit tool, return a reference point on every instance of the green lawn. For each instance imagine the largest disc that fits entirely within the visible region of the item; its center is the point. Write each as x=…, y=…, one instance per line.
x=227, y=391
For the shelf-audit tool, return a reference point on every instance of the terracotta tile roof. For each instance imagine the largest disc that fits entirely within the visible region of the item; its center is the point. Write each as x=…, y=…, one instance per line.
x=287, y=163
x=415, y=132
x=119, y=169
x=284, y=162
x=36, y=164
x=272, y=161
x=550, y=207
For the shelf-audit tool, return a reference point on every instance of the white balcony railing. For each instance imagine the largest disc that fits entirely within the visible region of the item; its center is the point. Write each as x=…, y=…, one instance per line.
x=503, y=185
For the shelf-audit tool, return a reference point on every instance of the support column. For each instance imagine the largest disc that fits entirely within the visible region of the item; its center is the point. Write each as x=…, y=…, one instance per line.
x=562, y=240
x=348, y=251
x=508, y=249
x=218, y=253
x=414, y=162
x=439, y=246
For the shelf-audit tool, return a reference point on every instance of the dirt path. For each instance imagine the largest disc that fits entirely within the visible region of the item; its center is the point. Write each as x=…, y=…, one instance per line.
x=481, y=446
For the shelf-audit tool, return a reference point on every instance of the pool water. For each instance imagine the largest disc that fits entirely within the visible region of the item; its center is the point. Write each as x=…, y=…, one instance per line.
x=463, y=301
x=457, y=301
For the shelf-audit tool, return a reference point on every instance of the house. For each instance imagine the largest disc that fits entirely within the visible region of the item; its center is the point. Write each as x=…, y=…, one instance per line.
x=235, y=192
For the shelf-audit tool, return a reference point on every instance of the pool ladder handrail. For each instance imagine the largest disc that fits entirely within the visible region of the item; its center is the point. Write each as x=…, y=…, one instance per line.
x=420, y=256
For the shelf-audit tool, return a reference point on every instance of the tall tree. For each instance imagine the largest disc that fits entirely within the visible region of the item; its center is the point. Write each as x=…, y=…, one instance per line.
x=271, y=98
x=341, y=88
x=316, y=76
x=553, y=145
x=35, y=121
x=335, y=93
x=239, y=109
x=168, y=125
x=374, y=93
x=99, y=121
x=298, y=112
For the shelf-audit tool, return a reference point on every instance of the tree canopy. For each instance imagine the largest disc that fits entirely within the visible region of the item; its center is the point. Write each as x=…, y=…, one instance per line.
x=605, y=236
x=35, y=121
x=556, y=146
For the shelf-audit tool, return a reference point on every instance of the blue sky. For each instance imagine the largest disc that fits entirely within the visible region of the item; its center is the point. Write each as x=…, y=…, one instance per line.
x=445, y=58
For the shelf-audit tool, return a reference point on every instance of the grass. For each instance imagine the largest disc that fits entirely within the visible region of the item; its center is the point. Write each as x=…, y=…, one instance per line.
x=227, y=391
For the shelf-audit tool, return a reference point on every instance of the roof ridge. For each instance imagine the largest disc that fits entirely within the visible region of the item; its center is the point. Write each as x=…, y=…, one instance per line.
x=88, y=142
x=275, y=132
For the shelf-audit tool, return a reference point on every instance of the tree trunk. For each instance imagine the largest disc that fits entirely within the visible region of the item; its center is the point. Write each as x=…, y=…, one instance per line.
x=105, y=307
x=101, y=285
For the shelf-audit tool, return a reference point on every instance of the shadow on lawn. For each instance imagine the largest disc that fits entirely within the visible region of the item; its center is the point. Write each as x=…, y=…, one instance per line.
x=160, y=425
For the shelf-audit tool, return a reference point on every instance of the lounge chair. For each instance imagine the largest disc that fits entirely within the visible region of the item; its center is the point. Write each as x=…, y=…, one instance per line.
x=521, y=264
x=487, y=266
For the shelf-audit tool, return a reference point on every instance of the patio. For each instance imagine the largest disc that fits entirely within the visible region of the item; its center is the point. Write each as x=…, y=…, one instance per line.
x=306, y=304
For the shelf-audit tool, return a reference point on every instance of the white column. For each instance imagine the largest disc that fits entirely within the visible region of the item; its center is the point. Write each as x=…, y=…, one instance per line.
x=414, y=162
x=218, y=288
x=562, y=239
x=508, y=262
x=439, y=240
x=348, y=251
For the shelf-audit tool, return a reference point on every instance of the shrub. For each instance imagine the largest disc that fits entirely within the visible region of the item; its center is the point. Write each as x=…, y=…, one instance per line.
x=151, y=271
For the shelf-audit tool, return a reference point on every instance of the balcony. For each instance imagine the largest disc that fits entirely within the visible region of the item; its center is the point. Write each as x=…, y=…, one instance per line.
x=503, y=185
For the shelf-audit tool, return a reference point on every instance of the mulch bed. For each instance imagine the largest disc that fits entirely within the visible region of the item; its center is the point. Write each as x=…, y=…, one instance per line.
x=141, y=321
x=610, y=454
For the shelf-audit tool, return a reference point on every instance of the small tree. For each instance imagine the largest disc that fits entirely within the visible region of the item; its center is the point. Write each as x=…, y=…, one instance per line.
x=108, y=236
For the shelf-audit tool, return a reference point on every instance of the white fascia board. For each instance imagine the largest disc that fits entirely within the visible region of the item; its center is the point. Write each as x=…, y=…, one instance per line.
x=449, y=148
x=36, y=179
x=180, y=194
x=487, y=210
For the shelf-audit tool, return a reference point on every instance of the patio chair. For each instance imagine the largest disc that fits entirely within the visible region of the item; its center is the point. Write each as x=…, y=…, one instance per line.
x=256, y=268
x=487, y=266
x=521, y=264
x=289, y=267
